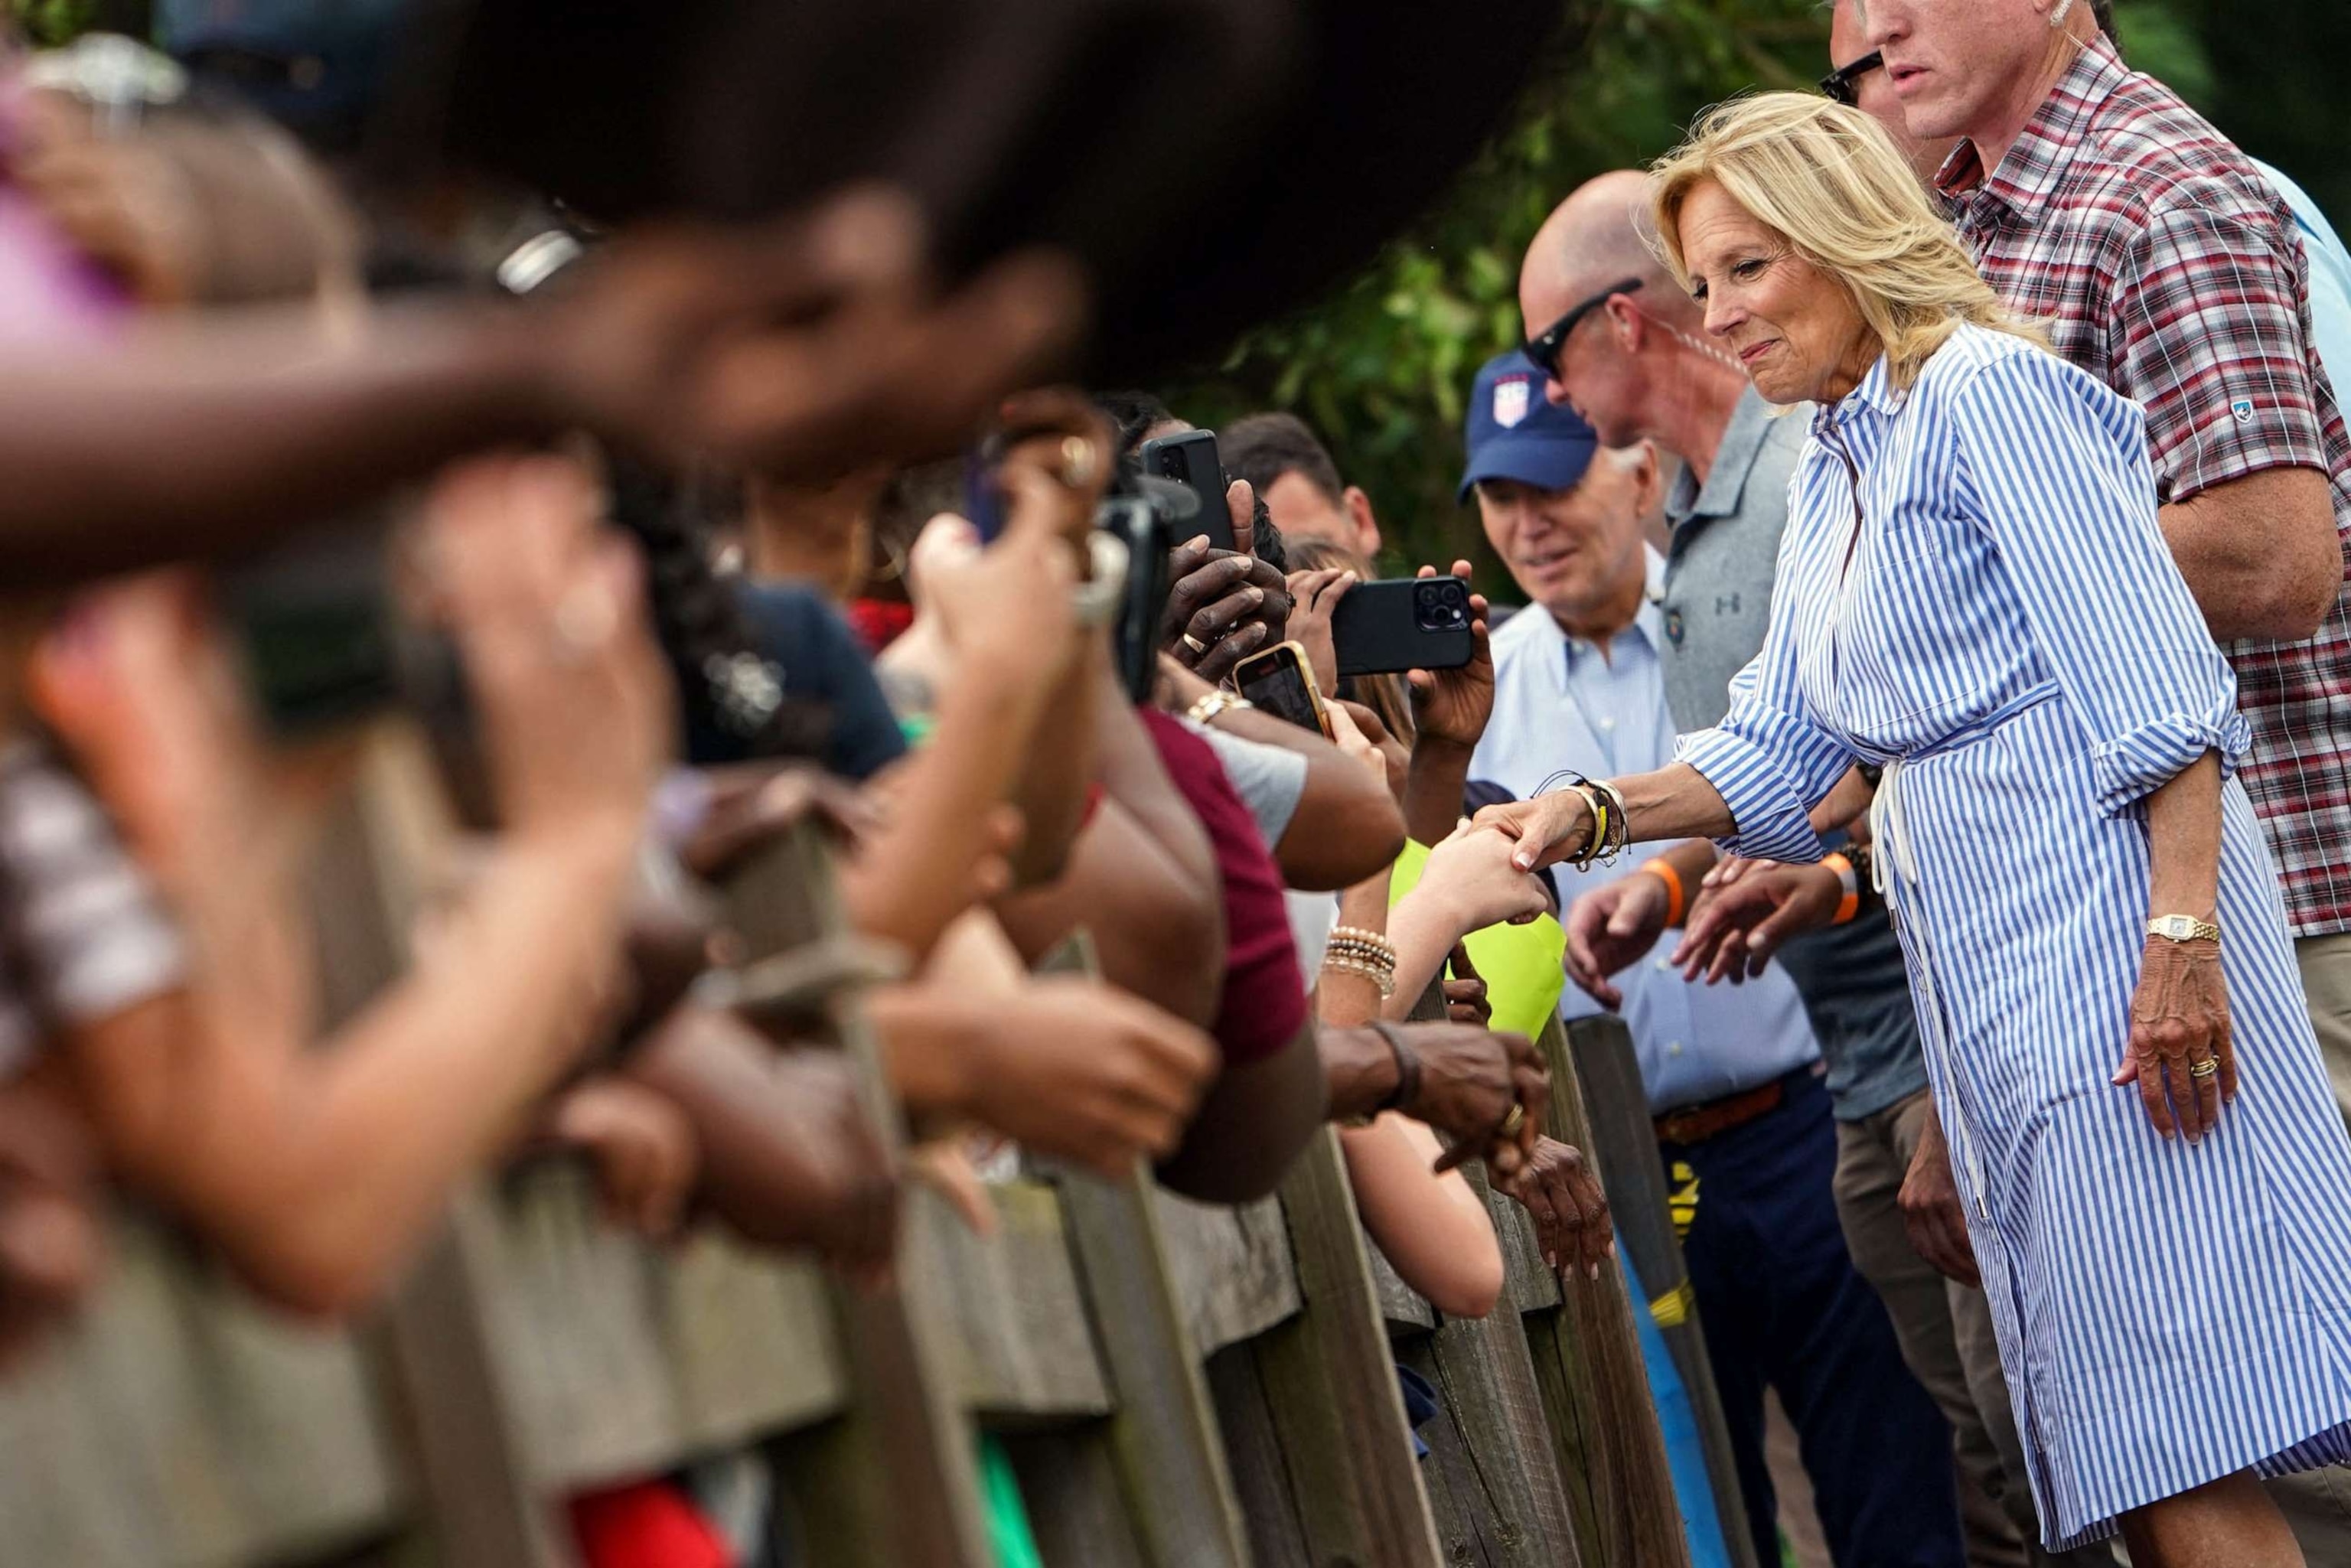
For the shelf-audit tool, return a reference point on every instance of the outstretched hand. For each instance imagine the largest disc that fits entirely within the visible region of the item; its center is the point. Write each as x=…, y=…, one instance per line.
x=1741, y=921
x=1609, y=929
x=1547, y=829
x=1561, y=1195
x=802, y=347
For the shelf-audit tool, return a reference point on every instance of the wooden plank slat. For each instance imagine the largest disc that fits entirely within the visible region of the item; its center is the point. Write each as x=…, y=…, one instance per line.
x=1076, y=1501
x=751, y=1343
x=1163, y=1438
x=619, y=1360
x=1587, y=1359
x=1329, y=1382
x=895, y=1482
x=1277, y=1535
x=1503, y=1504
x=178, y=1424
x=1598, y=1052
x=1023, y=1349
x=366, y=897
x=1235, y=1276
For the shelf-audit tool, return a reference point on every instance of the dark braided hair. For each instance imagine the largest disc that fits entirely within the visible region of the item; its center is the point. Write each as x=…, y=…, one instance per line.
x=1136, y=415
x=728, y=692
x=725, y=687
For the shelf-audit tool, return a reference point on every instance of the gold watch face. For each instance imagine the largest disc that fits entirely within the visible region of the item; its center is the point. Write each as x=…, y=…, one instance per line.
x=2177, y=928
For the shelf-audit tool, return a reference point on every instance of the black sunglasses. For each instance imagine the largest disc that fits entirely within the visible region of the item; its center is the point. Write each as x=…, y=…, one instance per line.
x=1544, y=350
x=1839, y=83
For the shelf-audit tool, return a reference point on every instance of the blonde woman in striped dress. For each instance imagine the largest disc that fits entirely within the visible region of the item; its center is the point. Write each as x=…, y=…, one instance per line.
x=1973, y=594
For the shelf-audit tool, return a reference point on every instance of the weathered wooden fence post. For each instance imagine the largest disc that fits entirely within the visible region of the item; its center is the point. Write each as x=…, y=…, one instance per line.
x=902, y=1467
x=1621, y=1141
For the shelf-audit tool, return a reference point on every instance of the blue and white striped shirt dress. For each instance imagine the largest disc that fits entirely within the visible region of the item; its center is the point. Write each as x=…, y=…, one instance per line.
x=1982, y=601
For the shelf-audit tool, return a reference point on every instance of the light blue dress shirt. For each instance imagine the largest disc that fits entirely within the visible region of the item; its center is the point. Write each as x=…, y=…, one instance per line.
x=2330, y=280
x=1558, y=703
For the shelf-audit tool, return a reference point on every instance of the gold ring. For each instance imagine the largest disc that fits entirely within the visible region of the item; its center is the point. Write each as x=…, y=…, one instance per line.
x=1077, y=462
x=1195, y=644
x=2204, y=1069
x=1515, y=1120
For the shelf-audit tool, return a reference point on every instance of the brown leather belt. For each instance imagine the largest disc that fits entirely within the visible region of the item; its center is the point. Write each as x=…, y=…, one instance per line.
x=1716, y=1117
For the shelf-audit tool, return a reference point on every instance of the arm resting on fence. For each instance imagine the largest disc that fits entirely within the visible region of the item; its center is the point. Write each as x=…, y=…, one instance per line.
x=1433, y=1229
x=787, y=1157
x=319, y=1171
x=1142, y=880
x=1251, y=1126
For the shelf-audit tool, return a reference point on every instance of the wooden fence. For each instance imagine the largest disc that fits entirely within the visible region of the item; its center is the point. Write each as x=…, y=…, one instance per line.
x=1177, y=1386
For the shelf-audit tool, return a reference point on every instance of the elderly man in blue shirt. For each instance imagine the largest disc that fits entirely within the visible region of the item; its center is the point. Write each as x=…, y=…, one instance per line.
x=1733, y=1075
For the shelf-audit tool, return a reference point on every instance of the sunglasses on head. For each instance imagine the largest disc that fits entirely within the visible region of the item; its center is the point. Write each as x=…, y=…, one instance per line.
x=1840, y=83
x=1544, y=350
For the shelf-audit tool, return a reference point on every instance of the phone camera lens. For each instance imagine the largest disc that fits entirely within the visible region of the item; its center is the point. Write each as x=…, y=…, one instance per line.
x=1441, y=605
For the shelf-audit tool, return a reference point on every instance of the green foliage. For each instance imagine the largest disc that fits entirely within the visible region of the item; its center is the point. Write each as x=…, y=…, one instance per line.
x=1380, y=367
x=48, y=23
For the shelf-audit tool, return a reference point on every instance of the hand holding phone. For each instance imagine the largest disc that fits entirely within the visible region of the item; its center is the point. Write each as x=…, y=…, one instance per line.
x=1280, y=681
x=1190, y=460
x=1403, y=623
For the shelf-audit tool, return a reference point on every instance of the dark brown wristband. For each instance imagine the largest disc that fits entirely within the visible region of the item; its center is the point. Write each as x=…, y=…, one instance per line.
x=1407, y=1083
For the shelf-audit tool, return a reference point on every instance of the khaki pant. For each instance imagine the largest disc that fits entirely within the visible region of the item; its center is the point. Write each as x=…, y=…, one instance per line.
x=2317, y=1503
x=1946, y=1334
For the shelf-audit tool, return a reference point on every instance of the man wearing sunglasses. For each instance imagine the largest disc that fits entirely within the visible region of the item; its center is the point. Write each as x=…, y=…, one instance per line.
x=1860, y=80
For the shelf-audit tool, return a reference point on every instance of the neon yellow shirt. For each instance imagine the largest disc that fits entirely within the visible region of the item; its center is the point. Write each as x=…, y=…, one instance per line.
x=1521, y=965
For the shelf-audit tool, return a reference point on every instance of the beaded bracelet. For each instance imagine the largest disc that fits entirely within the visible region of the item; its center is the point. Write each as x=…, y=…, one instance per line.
x=1356, y=935
x=1384, y=980
x=1355, y=951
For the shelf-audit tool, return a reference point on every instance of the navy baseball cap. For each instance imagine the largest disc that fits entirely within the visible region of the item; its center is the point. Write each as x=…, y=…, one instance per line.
x=1515, y=433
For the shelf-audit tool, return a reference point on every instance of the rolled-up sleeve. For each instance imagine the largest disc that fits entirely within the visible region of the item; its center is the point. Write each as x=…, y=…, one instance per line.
x=2150, y=755
x=1768, y=758
x=2057, y=467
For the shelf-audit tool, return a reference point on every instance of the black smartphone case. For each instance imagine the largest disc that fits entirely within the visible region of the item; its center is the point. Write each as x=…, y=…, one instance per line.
x=1379, y=627
x=1190, y=460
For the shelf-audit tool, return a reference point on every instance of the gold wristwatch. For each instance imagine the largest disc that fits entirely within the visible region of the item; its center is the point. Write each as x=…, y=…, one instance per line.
x=2183, y=928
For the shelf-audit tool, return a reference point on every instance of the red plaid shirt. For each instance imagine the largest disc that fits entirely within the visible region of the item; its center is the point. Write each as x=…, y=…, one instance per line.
x=2165, y=265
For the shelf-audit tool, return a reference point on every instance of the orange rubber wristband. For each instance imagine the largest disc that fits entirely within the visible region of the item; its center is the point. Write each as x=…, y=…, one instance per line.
x=1663, y=869
x=1850, y=906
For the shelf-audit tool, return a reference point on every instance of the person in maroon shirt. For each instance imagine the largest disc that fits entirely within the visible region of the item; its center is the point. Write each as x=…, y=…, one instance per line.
x=1283, y=1077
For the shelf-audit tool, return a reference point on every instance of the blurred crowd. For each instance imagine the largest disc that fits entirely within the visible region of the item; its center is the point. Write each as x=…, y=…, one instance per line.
x=648, y=538
x=1170, y=828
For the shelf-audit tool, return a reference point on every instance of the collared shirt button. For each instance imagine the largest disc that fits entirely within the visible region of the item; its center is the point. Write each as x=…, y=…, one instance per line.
x=1673, y=1048
x=1607, y=723
x=1663, y=964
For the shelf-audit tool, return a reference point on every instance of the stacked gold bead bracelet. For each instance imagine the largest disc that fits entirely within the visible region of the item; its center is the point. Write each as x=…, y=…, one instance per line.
x=1355, y=951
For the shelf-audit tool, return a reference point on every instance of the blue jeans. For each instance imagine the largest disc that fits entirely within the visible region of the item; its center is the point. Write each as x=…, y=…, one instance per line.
x=1785, y=1309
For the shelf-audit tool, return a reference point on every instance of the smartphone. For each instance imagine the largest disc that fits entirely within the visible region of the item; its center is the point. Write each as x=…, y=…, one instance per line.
x=1134, y=635
x=1403, y=623
x=1279, y=680
x=1190, y=459
x=983, y=496
x=314, y=627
